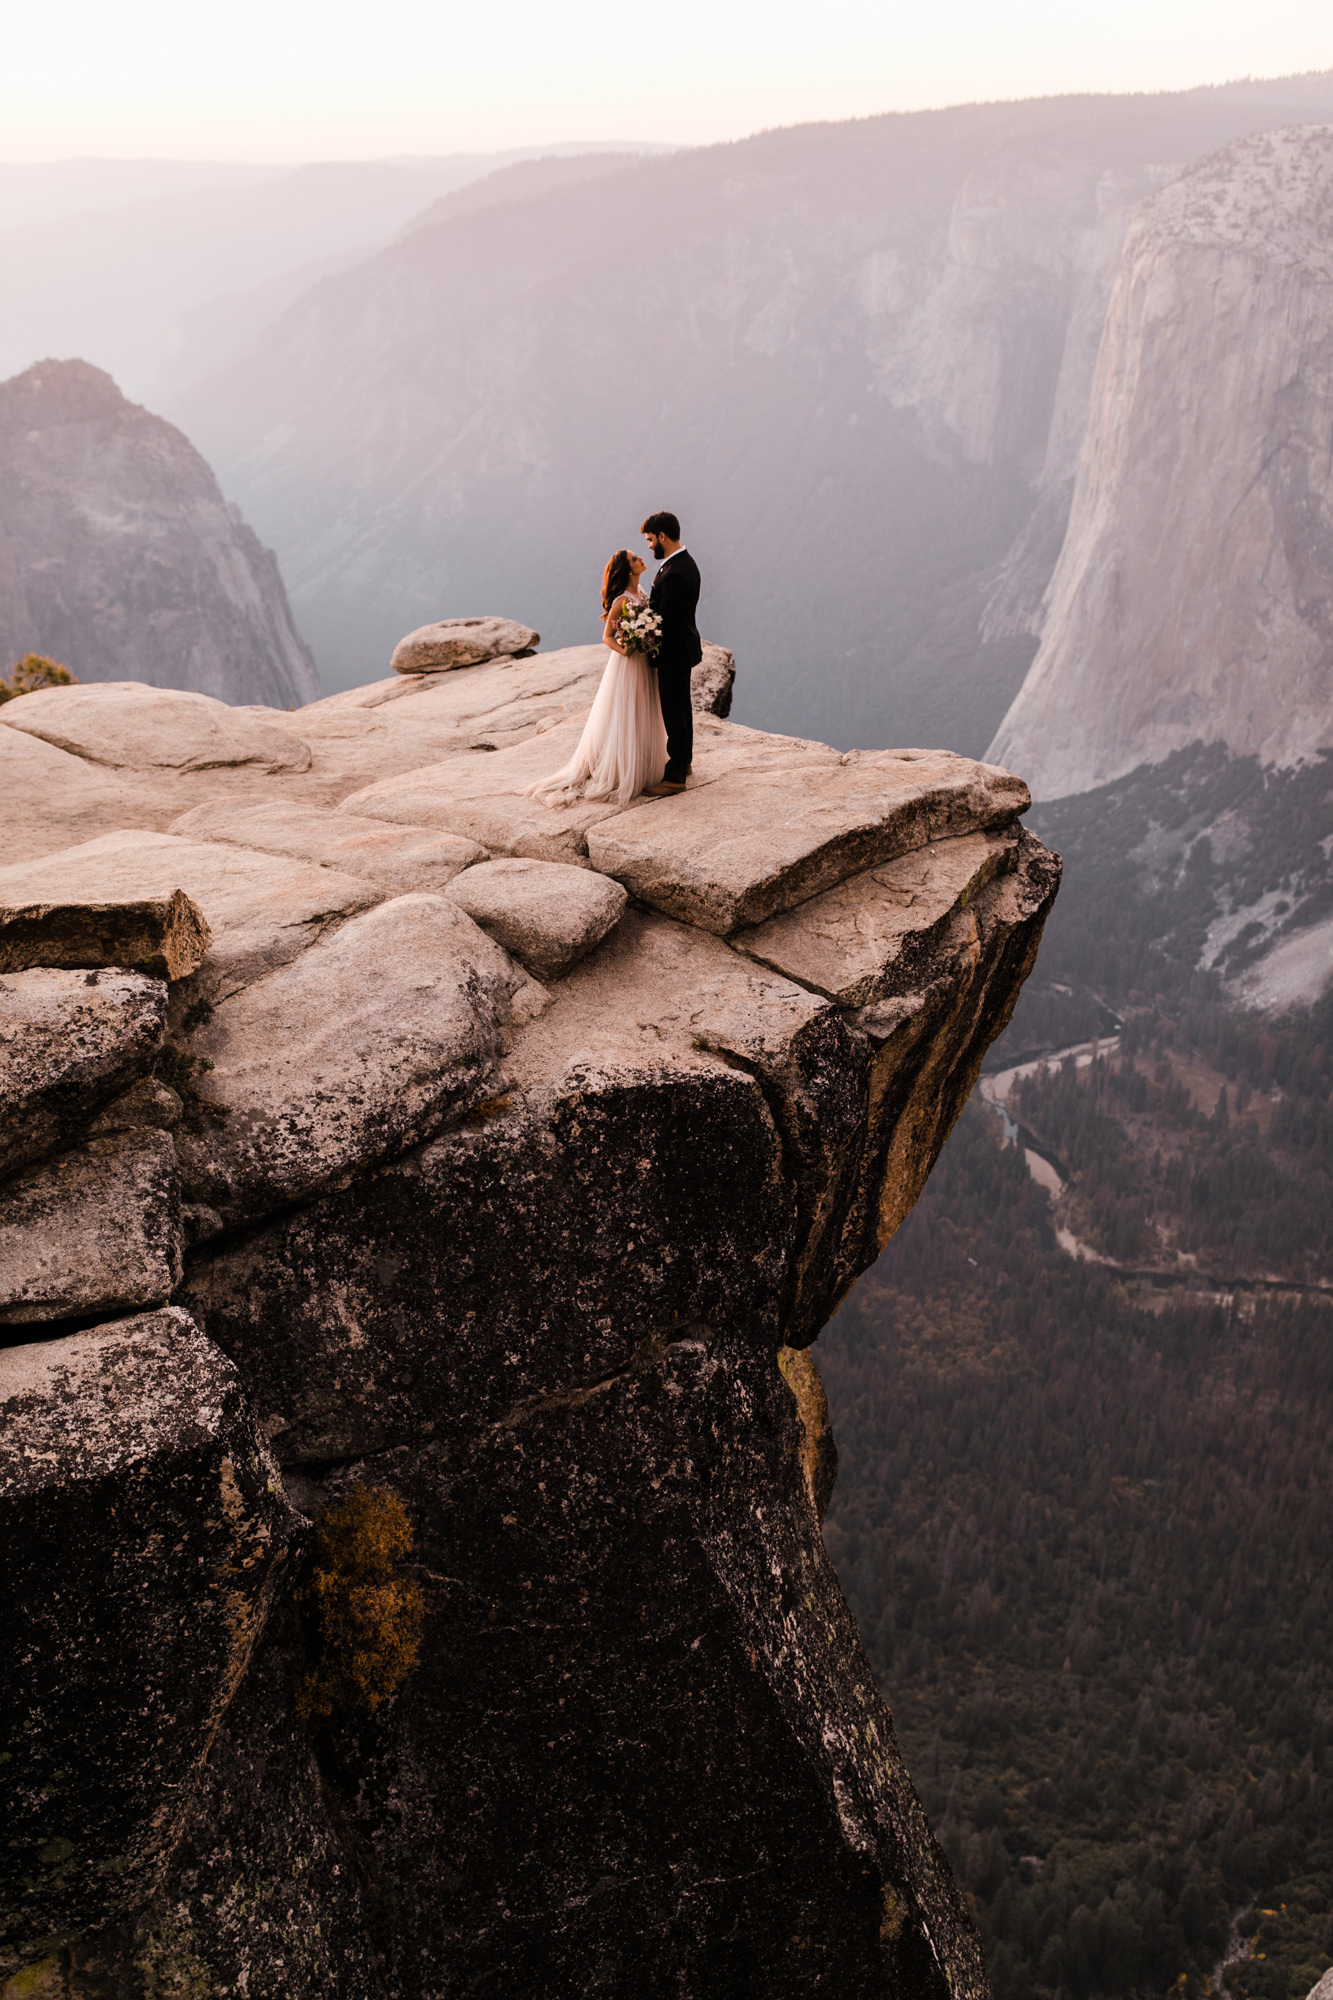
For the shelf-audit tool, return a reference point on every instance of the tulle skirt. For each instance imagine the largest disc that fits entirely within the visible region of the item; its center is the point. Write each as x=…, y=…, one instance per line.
x=623, y=746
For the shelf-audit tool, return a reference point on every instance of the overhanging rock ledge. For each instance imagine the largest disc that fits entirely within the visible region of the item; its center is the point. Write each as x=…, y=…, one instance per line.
x=538, y=1255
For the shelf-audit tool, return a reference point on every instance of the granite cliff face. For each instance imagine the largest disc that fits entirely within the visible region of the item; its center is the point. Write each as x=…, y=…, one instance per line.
x=1192, y=600
x=375, y=1128
x=882, y=336
x=119, y=556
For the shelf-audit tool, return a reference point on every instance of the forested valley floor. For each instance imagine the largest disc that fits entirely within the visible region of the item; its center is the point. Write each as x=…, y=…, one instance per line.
x=1084, y=1512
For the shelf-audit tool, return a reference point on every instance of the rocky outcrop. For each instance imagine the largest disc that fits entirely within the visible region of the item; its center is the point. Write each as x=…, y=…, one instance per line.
x=1192, y=600
x=461, y=642
x=163, y=935
x=137, y=728
x=120, y=557
x=517, y=1196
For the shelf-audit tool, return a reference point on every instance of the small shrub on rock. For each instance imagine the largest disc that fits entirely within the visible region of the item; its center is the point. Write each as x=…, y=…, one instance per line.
x=35, y=671
x=366, y=1615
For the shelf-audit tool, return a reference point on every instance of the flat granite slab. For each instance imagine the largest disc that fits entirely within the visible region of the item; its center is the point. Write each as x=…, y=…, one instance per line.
x=132, y=726
x=753, y=842
x=867, y=938
x=483, y=795
x=262, y=909
x=401, y=859
x=50, y=799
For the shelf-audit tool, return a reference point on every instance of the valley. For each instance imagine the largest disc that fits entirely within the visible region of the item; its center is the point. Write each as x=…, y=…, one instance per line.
x=1082, y=1509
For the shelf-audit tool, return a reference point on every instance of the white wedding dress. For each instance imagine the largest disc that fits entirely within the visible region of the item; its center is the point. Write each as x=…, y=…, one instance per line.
x=624, y=744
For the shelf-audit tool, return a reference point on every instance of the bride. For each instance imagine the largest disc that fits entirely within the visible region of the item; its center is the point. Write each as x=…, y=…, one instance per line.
x=624, y=745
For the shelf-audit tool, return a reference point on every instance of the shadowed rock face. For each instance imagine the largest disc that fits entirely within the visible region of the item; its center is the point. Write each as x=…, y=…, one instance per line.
x=120, y=557
x=143, y=1523
x=525, y=1251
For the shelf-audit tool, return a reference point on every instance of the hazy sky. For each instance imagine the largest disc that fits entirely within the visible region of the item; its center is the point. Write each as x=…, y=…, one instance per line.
x=305, y=79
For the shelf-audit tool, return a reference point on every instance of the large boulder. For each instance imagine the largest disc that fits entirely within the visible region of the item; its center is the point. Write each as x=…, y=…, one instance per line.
x=93, y=1230
x=131, y=726
x=460, y=642
x=69, y=1041
x=712, y=681
x=545, y=913
x=364, y=1043
x=142, y=1524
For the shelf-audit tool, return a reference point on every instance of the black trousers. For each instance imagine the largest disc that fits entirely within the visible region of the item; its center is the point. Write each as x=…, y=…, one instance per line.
x=673, y=687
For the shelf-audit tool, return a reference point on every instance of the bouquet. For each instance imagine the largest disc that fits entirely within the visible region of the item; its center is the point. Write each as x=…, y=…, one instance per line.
x=640, y=628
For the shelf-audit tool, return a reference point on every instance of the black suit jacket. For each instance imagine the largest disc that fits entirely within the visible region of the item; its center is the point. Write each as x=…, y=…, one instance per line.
x=675, y=598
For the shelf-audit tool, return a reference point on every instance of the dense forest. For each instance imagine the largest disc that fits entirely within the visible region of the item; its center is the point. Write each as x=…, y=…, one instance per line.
x=1084, y=1513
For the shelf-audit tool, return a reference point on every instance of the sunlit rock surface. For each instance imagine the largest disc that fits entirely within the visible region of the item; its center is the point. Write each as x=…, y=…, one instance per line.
x=525, y=1251
x=1193, y=599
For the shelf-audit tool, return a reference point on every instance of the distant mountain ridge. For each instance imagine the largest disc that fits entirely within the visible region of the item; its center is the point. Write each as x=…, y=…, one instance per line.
x=855, y=358
x=157, y=270
x=119, y=556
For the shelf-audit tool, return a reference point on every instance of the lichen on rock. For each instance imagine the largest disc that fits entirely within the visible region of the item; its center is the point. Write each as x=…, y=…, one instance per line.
x=365, y=1614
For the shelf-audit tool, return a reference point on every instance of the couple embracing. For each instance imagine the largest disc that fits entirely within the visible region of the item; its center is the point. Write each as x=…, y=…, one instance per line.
x=639, y=736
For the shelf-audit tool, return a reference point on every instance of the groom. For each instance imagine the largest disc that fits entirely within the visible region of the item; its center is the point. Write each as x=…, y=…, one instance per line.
x=675, y=597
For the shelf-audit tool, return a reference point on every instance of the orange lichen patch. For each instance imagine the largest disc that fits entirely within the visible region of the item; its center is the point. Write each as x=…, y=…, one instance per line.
x=891, y=1924
x=819, y=1454
x=367, y=1616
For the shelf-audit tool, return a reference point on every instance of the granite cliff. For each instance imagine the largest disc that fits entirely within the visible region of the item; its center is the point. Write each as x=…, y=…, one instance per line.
x=120, y=557
x=1192, y=599
x=374, y=1131
x=883, y=335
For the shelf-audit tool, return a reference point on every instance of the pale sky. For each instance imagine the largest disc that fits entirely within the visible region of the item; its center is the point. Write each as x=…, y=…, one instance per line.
x=324, y=79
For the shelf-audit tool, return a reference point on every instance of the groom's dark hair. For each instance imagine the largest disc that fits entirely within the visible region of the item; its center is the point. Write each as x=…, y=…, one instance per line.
x=662, y=524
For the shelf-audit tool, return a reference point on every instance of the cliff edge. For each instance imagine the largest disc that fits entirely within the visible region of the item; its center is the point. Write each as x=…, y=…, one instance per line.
x=378, y=1139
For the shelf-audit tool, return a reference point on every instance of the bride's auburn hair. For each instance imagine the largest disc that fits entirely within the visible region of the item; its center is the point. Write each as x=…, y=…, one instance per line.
x=615, y=577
